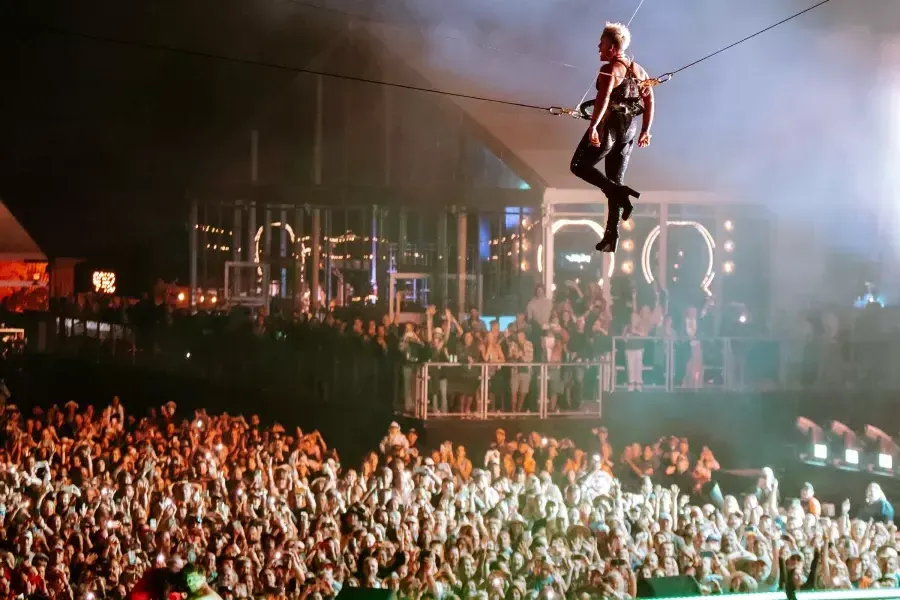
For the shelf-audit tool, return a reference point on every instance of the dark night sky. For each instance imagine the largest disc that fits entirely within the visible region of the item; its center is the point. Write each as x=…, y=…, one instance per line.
x=101, y=143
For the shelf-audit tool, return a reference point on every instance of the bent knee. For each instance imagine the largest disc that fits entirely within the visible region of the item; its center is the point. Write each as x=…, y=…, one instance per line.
x=576, y=167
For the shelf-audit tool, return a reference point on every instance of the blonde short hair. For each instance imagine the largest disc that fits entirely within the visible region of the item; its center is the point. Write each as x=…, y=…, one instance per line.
x=618, y=34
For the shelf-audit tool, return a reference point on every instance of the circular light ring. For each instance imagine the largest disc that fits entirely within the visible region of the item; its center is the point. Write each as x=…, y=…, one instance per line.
x=258, y=236
x=710, y=247
x=559, y=224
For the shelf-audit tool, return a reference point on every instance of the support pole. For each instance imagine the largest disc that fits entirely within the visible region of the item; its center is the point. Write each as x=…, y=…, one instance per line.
x=299, y=261
x=547, y=228
x=251, y=232
x=329, y=252
x=373, y=266
x=236, y=249
x=442, y=263
x=315, y=237
x=267, y=244
x=282, y=284
x=194, y=225
x=461, y=241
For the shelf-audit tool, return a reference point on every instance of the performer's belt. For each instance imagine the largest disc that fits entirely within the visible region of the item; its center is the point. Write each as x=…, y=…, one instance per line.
x=627, y=110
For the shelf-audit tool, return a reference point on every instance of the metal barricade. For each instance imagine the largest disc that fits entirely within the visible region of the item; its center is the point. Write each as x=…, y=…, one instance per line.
x=506, y=390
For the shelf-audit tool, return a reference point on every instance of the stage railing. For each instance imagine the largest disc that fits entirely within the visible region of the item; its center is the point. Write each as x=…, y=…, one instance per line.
x=503, y=390
x=730, y=364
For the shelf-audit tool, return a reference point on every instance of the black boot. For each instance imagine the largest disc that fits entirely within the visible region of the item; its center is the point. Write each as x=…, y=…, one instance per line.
x=609, y=242
x=622, y=199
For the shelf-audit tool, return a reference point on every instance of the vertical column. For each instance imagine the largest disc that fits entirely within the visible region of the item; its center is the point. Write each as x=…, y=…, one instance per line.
x=388, y=133
x=194, y=225
x=315, y=238
x=373, y=265
x=547, y=258
x=267, y=244
x=719, y=259
x=441, y=270
x=317, y=138
x=236, y=249
x=284, y=252
x=329, y=252
x=461, y=241
x=204, y=246
x=402, y=247
x=299, y=260
x=251, y=232
x=662, y=259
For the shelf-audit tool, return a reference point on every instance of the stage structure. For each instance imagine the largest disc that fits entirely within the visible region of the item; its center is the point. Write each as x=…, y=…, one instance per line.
x=489, y=258
x=681, y=240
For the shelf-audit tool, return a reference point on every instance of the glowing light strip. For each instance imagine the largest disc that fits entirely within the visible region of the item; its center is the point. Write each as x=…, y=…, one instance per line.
x=882, y=593
x=256, y=238
x=559, y=224
x=710, y=246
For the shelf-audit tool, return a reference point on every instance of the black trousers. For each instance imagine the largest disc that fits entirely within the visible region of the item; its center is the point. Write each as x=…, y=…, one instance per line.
x=617, y=140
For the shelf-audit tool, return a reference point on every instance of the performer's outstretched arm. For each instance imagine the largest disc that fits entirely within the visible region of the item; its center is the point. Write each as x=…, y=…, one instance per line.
x=605, y=85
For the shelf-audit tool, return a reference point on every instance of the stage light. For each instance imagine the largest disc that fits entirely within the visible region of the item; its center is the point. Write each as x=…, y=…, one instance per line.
x=728, y=267
x=628, y=225
x=728, y=246
x=628, y=245
x=844, y=438
x=181, y=296
x=882, y=445
x=729, y=225
x=743, y=318
x=104, y=282
x=627, y=267
x=815, y=440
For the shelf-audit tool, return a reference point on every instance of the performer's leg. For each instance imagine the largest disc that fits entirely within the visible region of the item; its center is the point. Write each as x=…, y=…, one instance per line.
x=616, y=165
x=587, y=157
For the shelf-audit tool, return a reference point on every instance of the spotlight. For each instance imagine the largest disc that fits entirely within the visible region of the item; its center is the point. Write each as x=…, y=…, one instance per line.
x=729, y=225
x=627, y=267
x=844, y=437
x=628, y=225
x=743, y=318
x=728, y=246
x=728, y=267
x=181, y=296
x=628, y=245
x=883, y=445
x=815, y=440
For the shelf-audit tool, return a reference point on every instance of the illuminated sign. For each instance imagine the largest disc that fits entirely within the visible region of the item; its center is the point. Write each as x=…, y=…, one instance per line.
x=104, y=282
x=578, y=258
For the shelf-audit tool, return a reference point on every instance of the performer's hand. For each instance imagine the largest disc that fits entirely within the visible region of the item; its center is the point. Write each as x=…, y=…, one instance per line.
x=595, y=137
x=644, y=140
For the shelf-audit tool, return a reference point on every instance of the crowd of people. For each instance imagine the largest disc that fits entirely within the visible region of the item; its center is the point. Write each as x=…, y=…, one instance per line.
x=92, y=500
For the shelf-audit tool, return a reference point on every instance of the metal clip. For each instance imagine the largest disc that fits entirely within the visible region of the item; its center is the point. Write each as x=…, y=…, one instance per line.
x=655, y=81
x=558, y=111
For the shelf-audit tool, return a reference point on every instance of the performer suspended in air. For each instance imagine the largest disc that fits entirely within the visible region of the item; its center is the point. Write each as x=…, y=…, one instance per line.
x=613, y=129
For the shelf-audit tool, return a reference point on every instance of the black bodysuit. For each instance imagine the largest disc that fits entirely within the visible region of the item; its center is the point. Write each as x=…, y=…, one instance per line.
x=617, y=138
